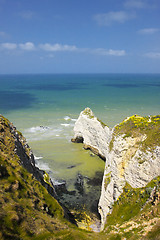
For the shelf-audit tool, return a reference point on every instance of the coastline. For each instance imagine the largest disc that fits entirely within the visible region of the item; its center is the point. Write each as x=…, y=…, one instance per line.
x=54, y=101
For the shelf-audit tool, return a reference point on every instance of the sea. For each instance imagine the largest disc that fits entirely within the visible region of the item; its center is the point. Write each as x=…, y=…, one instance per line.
x=45, y=107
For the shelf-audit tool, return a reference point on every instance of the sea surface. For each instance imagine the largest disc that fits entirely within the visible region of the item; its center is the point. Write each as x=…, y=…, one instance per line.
x=45, y=107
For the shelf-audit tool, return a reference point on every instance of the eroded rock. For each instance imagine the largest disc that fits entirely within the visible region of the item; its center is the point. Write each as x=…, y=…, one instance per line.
x=131, y=150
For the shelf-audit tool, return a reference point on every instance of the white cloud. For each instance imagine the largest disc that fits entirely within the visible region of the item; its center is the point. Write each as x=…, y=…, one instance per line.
x=148, y=30
x=51, y=48
x=153, y=55
x=106, y=19
x=57, y=47
x=27, y=14
x=138, y=4
x=8, y=46
x=28, y=46
x=110, y=52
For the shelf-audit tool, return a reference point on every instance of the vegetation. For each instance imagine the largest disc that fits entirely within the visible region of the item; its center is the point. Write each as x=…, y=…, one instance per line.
x=28, y=211
x=88, y=112
x=134, y=210
x=136, y=126
x=47, y=178
x=102, y=123
x=107, y=180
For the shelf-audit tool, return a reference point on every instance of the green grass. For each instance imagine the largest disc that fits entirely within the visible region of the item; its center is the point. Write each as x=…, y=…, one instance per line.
x=131, y=202
x=28, y=212
x=107, y=180
x=136, y=126
x=88, y=112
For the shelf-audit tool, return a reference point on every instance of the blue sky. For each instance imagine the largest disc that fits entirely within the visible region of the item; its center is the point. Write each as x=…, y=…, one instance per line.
x=87, y=36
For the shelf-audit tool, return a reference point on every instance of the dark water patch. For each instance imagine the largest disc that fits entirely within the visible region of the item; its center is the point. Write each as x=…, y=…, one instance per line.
x=97, y=180
x=79, y=183
x=86, y=194
x=15, y=100
x=153, y=84
x=122, y=85
x=54, y=87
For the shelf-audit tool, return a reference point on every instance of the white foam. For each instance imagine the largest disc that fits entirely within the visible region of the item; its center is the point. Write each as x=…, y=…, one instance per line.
x=43, y=166
x=67, y=118
x=43, y=132
x=65, y=124
x=37, y=158
x=56, y=182
x=73, y=119
x=54, y=131
x=37, y=129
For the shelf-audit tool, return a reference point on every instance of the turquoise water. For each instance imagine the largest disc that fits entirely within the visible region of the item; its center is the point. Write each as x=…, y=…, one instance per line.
x=45, y=107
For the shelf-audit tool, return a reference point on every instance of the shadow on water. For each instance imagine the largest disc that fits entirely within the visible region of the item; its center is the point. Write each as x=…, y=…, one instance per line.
x=55, y=87
x=86, y=194
x=128, y=85
x=125, y=85
x=15, y=100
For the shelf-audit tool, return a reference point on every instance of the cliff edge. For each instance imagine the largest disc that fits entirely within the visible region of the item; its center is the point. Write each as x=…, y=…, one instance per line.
x=131, y=150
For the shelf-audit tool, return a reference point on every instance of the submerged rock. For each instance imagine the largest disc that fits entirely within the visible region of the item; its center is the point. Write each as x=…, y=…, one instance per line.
x=79, y=184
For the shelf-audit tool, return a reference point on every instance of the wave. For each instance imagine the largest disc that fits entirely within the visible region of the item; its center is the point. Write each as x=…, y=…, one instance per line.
x=57, y=182
x=43, y=166
x=37, y=158
x=61, y=129
x=66, y=118
x=38, y=129
x=65, y=124
x=73, y=119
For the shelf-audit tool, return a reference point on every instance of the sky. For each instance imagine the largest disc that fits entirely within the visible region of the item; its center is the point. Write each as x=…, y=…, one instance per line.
x=79, y=36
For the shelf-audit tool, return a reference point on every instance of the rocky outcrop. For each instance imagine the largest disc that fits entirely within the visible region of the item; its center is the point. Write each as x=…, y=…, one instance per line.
x=93, y=133
x=127, y=164
x=131, y=150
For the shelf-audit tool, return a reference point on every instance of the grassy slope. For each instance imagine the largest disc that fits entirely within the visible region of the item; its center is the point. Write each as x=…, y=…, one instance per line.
x=135, y=212
x=137, y=125
x=27, y=211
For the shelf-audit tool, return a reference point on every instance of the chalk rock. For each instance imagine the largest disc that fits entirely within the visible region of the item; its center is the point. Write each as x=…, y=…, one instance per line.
x=131, y=151
x=92, y=133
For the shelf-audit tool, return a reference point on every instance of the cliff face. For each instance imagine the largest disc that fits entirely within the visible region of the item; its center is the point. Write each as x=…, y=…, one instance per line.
x=92, y=132
x=13, y=141
x=131, y=150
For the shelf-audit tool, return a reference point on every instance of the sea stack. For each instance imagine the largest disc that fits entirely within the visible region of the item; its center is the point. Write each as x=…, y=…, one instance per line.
x=93, y=133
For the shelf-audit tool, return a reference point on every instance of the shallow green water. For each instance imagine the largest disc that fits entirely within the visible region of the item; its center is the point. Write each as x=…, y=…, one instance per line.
x=45, y=107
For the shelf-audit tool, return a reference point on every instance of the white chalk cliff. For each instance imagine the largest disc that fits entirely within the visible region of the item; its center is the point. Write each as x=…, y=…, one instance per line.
x=131, y=151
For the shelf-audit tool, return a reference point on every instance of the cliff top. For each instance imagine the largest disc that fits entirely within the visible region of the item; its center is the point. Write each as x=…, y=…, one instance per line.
x=88, y=112
x=135, y=126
